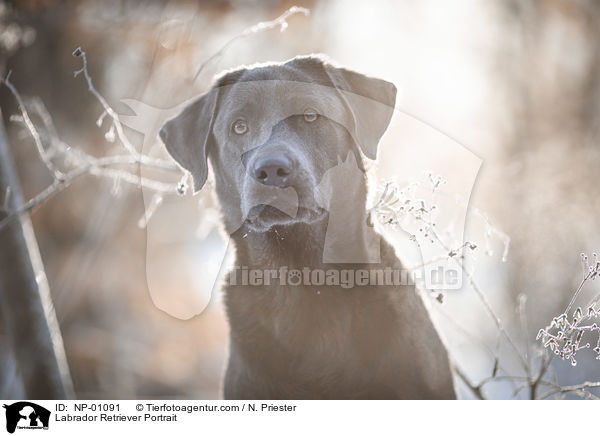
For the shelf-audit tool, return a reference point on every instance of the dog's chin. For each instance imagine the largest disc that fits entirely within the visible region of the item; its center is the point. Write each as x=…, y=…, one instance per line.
x=263, y=218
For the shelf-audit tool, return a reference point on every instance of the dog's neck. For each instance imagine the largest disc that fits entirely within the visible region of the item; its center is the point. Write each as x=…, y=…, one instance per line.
x=294, y=246
x=312, y=245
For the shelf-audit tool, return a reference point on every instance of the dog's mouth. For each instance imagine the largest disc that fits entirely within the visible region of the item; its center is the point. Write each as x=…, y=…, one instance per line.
x=263, y=217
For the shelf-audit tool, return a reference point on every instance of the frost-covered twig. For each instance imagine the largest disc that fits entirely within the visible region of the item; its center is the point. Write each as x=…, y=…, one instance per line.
x=56, y=173
x=567, y=334
x=394, y=206
x=81, y=163
x=116, y=123
x=395, y=203
x=94, y=167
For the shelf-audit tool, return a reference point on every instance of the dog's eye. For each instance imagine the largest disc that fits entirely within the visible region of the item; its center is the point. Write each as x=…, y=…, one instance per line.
x=239, y=127
x=310, y=115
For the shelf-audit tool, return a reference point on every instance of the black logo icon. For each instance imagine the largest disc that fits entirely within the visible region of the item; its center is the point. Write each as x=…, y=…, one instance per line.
x=26, y=415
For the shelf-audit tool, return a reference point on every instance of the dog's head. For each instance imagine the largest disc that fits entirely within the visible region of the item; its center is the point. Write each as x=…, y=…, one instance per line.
x=271, y=133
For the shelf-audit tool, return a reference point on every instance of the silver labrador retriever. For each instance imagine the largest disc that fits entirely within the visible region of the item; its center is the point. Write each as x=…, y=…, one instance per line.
x=287, y=143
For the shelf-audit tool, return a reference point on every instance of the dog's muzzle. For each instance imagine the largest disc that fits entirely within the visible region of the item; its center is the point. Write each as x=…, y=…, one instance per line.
x=278, y=191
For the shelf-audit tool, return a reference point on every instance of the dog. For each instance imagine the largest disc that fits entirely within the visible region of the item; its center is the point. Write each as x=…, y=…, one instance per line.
x=289, y=145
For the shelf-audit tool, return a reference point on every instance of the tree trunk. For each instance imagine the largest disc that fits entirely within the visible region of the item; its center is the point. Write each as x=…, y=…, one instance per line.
x=26, y=308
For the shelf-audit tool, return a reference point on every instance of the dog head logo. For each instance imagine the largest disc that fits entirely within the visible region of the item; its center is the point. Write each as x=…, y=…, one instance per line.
x=26, y=415
x=289, y=144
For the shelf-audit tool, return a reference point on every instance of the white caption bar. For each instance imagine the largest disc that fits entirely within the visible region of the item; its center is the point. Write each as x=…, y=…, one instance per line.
x=282, y=417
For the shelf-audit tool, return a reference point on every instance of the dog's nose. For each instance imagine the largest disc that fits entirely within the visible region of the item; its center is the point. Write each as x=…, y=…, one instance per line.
x=273, y=170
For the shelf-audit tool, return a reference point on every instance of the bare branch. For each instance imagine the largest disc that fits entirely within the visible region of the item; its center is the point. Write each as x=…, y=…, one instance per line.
x=78, y=52
x=522, y=309
x=492, y=314
x=56, y=173
x=390, y=207
x=280, y=22
x=5, y=204
x=82, y=162
x=547, y=359
x=579, y=389
x=475, y=389
x=90, y=168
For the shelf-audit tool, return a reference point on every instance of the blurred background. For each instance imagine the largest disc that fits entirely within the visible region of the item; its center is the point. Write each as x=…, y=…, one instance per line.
x=515, y=84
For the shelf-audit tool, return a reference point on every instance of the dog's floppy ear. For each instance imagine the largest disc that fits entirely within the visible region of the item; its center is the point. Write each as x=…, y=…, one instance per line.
x=188, y=136
x=371, y=102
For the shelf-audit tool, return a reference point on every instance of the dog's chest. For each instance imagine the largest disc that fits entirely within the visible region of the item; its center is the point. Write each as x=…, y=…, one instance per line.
x=300, y=327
